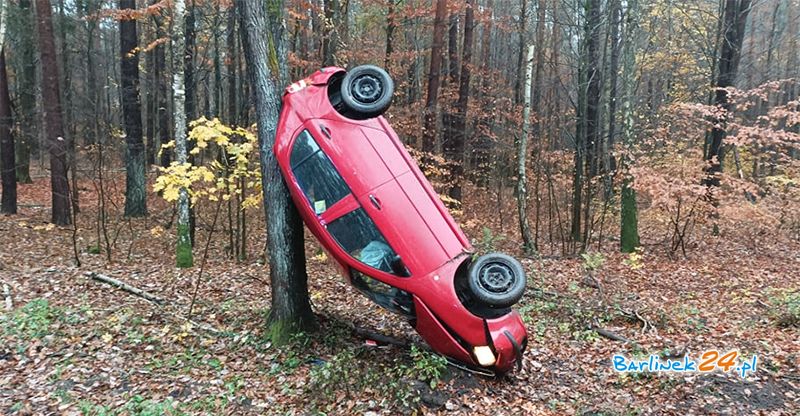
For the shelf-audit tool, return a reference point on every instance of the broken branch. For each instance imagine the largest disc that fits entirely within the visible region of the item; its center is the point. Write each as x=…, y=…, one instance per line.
x=126, y=287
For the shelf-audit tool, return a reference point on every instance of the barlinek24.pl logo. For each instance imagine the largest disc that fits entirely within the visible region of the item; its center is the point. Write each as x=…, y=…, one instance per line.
x=709, y=361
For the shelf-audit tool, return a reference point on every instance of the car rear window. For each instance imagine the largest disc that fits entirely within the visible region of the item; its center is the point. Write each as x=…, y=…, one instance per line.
x=321, y=183
x=358, y=235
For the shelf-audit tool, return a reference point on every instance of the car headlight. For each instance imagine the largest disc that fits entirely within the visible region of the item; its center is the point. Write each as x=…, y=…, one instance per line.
x=484, y=355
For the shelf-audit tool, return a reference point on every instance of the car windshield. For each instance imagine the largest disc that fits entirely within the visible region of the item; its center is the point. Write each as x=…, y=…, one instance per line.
x=321, y=183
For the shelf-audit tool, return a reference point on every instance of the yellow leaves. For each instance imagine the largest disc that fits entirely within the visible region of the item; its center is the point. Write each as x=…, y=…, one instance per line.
x=231, y=169
x=157, y=231
x=48, y=227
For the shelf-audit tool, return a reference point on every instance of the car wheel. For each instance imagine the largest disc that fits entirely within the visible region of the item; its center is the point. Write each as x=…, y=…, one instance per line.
x=367, y=91
x=497, y=280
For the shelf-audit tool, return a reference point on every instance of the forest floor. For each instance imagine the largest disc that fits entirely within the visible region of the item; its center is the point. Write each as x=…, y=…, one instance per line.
x=73, y=345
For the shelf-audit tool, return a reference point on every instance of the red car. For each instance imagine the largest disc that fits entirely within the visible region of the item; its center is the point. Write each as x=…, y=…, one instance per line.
x=371, y=208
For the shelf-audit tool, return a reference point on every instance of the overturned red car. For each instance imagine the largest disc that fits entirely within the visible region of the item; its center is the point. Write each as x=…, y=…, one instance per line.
x=369, y=205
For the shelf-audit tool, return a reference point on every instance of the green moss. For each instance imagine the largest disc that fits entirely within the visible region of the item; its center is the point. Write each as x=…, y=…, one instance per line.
x=183, y=254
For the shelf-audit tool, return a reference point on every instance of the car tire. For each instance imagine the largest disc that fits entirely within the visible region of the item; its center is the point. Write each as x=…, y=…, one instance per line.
x=366, y=91
x=496, y=280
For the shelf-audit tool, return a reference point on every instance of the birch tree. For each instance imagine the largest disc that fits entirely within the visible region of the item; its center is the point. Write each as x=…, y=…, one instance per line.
x=184, y=247
x=522, y=151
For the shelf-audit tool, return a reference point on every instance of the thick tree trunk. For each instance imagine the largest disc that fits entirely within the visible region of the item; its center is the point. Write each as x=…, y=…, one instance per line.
x=26, y=93
x=454, y=149
x=52, y=115
x=9, y=177
x=522, y=152
x=434, y=79
x=184, y=245
x=135, y=186
x=291, y=309
x=629, y=223
x=735, y=17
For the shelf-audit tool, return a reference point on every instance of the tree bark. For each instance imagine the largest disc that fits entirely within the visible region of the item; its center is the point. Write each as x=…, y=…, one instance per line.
x=735, y=17
x=434, y=79
x=26, y=94
x=9, y=176
x=522, y=152
x=184, y=245
x=291, y=309
x=54, y=127
x=629, y=223
x=162, y=93
x=454, y=149
x=135, y=186
x=231, y=67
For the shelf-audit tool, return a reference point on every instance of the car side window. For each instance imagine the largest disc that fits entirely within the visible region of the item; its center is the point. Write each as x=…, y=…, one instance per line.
x=321, y=183
x=358, y=236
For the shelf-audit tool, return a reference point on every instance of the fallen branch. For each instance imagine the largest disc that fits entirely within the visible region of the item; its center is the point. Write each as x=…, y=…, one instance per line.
x=380, y=338
x=126, y=287
x=7, y=294
x=610, y=335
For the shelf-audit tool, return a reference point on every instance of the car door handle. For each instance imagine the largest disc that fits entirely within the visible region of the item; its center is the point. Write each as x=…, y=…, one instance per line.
x=375, y=201
x=326, y=131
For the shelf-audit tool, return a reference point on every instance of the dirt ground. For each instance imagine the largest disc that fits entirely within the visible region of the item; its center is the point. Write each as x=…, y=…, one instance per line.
x=73, y=345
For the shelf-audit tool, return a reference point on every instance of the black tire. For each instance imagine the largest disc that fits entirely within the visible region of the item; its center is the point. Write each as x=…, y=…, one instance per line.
x=366, y=91
x=496, y=280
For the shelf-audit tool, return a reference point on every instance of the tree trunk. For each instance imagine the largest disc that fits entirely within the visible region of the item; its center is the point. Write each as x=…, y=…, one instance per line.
x=162, y=94
x=434, y=78
x=52, y=115
x=231, y=68
x=135, y=183
x=26, y=93
x=609, y=163
x=629, y=227
x=522, y=152
x=452, y=47
x=9, y=177
x=329, y=41
x=523, y=19
x=735, y=17
x=291, y=309
x=184, y=245
x=454, y=149
x=391, y=26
